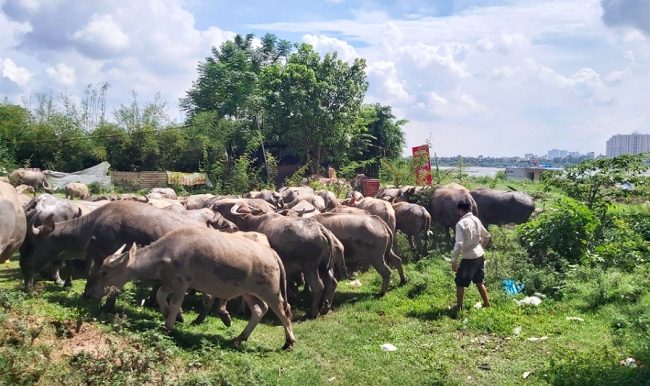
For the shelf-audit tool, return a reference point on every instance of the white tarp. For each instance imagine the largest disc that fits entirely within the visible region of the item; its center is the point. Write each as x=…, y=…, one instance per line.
x=97, y=173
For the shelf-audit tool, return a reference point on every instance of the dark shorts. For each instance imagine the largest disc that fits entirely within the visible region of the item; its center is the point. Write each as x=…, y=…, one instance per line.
x=470, y=271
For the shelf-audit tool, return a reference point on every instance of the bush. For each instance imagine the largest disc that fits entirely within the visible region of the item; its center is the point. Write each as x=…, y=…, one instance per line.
x=95, y=188
x=560, y=235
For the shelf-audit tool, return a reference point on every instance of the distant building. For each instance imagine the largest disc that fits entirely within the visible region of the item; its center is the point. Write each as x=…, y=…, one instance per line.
x=529, y=156
x=532, y=173
x=564, y=153
x=574, y=154
x=553, y=153
x=633, y=144
x=591, y=155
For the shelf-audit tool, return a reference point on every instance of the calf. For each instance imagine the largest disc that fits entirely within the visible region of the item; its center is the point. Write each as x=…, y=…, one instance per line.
x=413, y=219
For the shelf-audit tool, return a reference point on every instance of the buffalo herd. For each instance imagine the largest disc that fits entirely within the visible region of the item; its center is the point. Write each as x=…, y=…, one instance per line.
x=260, y=247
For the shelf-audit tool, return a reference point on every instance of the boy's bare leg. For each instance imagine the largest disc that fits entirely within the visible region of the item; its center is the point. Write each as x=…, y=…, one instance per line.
x=483, y=291
x=460, y=292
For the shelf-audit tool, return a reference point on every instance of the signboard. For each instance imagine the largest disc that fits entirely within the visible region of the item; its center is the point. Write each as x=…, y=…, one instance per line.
x=422, y=163
x=187, y=179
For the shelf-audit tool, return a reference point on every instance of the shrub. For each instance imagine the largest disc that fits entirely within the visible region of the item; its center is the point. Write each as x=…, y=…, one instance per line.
x=560, y=235
x=96, y=188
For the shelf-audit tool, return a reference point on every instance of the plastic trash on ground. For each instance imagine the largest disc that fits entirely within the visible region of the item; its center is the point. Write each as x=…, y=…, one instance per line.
x=512, y=288
x=534, y=339
x=388, y=347
x=532, y=300
x=478, y=305
x=574, y=318
x=527, y=374
x=539, y=294
x=629, y=362
x=516, y=331
x=355, y=283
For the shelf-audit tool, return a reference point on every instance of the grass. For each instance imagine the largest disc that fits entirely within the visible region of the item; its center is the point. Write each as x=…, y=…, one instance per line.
x=41, y=343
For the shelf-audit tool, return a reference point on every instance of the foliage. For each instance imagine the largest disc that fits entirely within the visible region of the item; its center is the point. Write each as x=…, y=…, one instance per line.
x=297, y=176
x=592, y=181
x=311, y=104
x=560, y=235
x=96, y=188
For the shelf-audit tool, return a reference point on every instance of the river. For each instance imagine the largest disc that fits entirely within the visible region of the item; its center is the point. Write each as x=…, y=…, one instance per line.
x=475, y=171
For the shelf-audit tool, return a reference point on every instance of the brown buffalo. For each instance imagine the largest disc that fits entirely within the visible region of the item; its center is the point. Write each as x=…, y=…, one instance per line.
x=76, y=189
x=12, y=222
x=218, y=264
x=36, y=180
x=413, y=220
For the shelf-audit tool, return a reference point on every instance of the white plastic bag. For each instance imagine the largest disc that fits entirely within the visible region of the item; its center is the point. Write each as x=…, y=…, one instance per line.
x=388, y=347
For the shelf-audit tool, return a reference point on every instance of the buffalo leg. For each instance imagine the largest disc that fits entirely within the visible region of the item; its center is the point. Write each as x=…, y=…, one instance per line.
x=242, y=306
x=207, y=306
x=69, y=267
x=174, y=307
x=161, y=297
x=330, y=284
x=383, y=270
x=277, y=305
x=151, y=300
x=418, y=244
x=56, y=274
x=316, y=287
x=413, y=248
x=258, y=309
x=396, y=261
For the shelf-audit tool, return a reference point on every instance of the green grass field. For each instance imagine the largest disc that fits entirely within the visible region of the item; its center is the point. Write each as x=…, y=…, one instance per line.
x=54, y=336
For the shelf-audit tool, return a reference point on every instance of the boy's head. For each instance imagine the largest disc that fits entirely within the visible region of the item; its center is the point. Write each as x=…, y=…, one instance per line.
x=464, y=207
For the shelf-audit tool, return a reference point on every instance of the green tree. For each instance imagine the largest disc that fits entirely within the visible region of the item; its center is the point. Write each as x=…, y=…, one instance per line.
x=592, y=181
x=380, y=138
x=312, y=105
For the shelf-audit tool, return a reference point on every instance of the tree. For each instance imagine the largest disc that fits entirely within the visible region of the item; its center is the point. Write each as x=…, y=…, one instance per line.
x=381, y=138
x=228, y=89
x=312, y=105
x=593, y=181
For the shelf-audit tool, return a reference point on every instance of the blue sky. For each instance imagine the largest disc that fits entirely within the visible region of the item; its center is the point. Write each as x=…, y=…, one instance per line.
x=490, y=77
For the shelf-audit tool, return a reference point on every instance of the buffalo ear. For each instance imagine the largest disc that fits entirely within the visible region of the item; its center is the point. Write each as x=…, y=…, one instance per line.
x=132, y=252
x=48, y=224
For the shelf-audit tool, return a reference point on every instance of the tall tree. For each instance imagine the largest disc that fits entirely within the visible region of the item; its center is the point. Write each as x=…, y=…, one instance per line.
x=312, y=104
x=381, y=138
x=227, y=88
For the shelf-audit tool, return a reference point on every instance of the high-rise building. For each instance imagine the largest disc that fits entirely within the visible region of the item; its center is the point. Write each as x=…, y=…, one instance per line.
x=633, y=144
x=553, y=153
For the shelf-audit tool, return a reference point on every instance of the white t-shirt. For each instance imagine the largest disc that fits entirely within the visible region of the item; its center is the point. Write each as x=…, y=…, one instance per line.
x=471, y=238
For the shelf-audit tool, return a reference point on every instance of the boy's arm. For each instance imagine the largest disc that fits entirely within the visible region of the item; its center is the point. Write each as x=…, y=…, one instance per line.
x=485, y=236
x=459, y=243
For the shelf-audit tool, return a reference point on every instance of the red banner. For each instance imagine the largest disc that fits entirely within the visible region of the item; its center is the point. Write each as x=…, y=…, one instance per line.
x=422, y=163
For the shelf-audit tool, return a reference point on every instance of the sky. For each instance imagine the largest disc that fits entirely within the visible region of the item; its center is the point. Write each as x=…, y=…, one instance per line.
x=474, y=77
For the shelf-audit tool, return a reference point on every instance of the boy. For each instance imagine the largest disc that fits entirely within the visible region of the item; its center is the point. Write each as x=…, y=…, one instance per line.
x=471, y=238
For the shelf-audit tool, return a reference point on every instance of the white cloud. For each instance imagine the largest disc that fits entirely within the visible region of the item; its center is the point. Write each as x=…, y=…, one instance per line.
x=630, y=56
x=385, y=86
x=18, y=75
x=62, y=74
x=101, y=37
x=617, y=76
x=325, y=44
x=502, y=44
x=455, y=103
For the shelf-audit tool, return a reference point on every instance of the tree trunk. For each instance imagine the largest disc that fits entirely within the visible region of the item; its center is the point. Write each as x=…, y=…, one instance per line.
x=317, y=160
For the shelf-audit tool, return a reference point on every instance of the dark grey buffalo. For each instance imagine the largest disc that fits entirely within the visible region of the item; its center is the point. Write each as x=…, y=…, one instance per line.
x=99, y=234
x=12, y=222
x=500, y=207
x=36, y=211
x=271, y=196
x=291, y=193
x=413, y=220
x=329, y=198
x=36, y=180
x=443, y=206
x=304, y=245
x=220, y=265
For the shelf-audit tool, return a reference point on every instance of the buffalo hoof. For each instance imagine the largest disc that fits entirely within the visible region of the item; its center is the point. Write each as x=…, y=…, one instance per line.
x=238, y=341
x=288, y=346
x=225, y=318
x=380, y=295
x=324, y=310
x=179, y=318
x=402, y=282
x=60, y=282
x=67, y=284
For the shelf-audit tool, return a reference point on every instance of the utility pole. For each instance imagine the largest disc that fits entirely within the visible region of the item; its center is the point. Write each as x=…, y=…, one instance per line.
x=266, y=163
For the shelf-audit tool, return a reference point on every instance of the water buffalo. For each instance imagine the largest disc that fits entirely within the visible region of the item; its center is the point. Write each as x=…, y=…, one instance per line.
x=255, y=203
x=105, y=229
x=25, y=188
x=380, y=208
x=76, y=189
x=304, y=245
x=412, y=220
x=206, y=217
x=271, y=196
x=218, y=264
x=4, y=179
x=34, y=179
x=443, y=206
x=316, y=201
x=167, y=193
x=12, y=222
x=349, y=210
x=500, y=207
x=302, y=209
x=36, y=211
x=329, y=198
x=196, y=201
x=290, y=193
x=365, y=238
